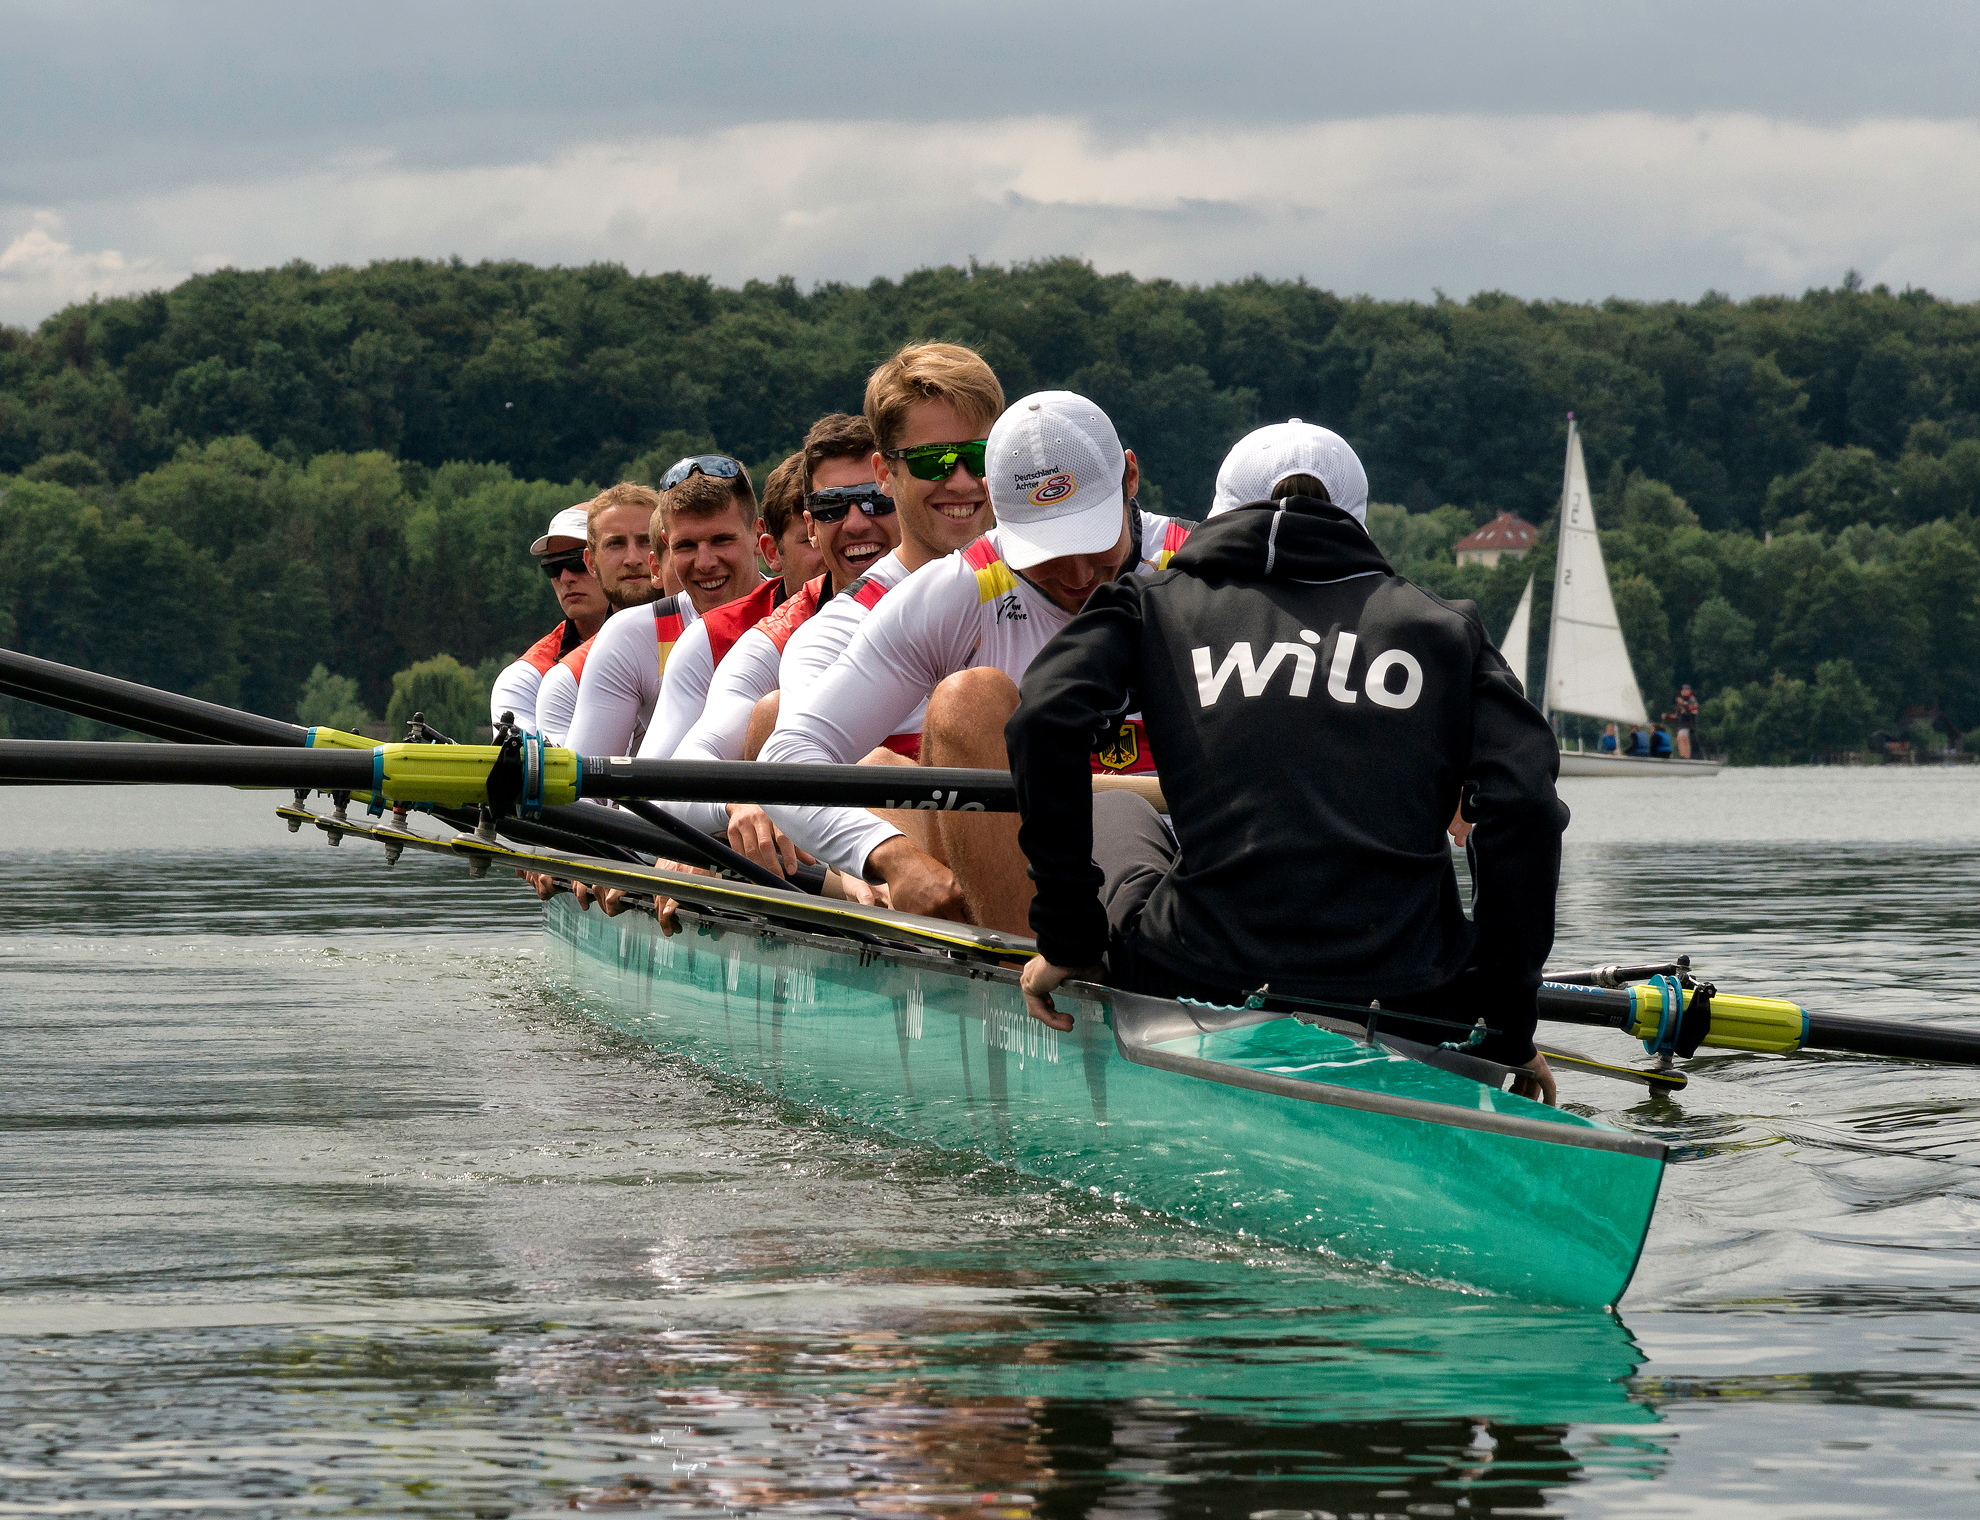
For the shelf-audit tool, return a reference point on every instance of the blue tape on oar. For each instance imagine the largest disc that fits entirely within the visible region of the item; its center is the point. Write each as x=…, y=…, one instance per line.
x=1671, y=1017
x=532, y=798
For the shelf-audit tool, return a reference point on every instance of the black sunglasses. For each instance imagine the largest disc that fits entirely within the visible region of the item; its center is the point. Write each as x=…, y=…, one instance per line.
x=830, y=504
x=556, y=566
x=719, y=466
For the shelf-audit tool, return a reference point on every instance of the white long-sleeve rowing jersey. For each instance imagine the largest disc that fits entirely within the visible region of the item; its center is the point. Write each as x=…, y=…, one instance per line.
x=744, y=676
x=556, y=698
x=690, y=672
x=966, y=610
x=514, y=690
x=816, y=647
x=622, y=673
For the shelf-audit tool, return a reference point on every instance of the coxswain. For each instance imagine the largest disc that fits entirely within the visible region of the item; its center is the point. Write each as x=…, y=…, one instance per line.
x=1318, y=717
x=787, y=550
x=958, y=635
x=703, y=515
x=560, y=555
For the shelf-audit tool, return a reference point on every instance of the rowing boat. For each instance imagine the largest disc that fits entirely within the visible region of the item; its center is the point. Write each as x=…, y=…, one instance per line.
x=1239, y=1120
x=1292, y=1127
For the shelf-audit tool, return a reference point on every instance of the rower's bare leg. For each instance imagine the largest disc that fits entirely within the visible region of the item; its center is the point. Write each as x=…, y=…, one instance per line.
x=917, y=825
x=762, y=718
x=965, y=726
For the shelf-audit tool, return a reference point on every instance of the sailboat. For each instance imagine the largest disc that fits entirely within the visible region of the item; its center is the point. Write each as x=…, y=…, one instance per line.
x=1588, y=669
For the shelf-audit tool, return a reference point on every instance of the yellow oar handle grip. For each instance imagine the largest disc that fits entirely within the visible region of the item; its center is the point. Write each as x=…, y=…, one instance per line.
x=1738, y=1023
x=456, y=775
x=449, y=775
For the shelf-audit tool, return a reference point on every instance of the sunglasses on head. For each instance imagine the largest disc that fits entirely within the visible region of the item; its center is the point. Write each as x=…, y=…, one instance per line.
x=938, y=461
x=557, y=564
x=830, y=504
x=720, y=466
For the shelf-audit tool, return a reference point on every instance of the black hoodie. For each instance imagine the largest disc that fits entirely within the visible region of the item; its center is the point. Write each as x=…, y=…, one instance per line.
x=1315, y=719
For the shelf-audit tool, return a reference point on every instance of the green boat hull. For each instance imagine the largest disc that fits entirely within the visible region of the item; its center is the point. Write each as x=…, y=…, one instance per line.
x=1242, y=1122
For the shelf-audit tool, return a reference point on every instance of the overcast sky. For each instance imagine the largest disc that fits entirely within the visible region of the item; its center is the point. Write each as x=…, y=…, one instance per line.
x=1546, y=149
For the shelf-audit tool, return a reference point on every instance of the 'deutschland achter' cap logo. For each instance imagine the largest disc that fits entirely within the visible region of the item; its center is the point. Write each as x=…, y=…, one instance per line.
x=1054, y=487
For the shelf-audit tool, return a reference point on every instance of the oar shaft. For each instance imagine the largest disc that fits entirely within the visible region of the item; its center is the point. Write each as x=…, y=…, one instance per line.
x=1881, y=1037
x=58, y=760
x=143, y=709
x=920, y=788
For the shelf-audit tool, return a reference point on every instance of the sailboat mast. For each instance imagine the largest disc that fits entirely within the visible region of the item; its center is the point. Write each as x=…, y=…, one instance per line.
x=1554, y=650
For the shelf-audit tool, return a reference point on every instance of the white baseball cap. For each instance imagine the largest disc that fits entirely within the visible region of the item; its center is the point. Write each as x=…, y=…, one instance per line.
x=1253, y=469
x=572, y=523
x=1055, y=466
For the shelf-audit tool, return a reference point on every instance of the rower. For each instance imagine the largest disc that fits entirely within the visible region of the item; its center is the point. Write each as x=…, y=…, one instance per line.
x=958, y=635
x=560, y=555
x=786, y=549
x=782, y=540
x=1317, y=717
x=619, y=551
x=849, y=523
x=702, y=514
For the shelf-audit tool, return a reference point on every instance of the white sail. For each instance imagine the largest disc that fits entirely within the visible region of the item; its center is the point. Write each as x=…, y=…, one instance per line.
x=1513, y=645
x=1588, y=670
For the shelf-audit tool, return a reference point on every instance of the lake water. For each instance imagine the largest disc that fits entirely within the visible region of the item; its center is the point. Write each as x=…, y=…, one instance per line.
x=315, y=1197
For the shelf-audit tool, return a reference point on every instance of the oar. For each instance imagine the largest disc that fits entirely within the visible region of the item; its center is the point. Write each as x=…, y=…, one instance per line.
x=457, y=775
x=1736, y=1022
x=166, y=714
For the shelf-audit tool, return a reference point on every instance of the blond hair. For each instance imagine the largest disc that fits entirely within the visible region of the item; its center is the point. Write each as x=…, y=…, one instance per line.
x=931, y=372
x=625, y=494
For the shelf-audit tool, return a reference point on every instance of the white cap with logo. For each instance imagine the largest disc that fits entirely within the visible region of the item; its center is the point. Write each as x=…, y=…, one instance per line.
x=573, y=524
x=1055, y=467
x=1253, y=469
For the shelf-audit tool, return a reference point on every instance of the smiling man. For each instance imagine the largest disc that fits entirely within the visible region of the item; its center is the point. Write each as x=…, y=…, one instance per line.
x=850, y=523
x=958, y=635
x=702, y=515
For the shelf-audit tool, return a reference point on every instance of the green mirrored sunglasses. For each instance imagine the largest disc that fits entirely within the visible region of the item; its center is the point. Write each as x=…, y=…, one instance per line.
x=938, y=461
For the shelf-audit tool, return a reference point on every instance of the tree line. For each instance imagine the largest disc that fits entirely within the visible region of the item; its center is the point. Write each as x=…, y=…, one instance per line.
x=221, y=486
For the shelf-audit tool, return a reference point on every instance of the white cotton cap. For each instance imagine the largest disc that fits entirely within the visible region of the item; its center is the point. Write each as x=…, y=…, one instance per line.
x=573, y=525
x=1253, y=469
x=1055, y=465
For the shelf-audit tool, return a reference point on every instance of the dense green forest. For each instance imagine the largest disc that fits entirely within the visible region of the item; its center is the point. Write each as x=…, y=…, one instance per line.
x=222, y=486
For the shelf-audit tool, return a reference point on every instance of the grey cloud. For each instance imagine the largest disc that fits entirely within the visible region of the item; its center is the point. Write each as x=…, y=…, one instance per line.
x=108, y=99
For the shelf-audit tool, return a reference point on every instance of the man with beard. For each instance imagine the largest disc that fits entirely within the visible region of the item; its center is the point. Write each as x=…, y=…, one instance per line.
x=619, y=548
x=560, y=555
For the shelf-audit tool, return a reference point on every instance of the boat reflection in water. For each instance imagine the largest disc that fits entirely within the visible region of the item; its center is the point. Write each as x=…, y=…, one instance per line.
x=1317, y=1390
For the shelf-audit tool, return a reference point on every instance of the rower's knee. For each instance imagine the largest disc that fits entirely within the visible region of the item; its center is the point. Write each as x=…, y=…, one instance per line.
x=966, y=716
x=762, y=719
